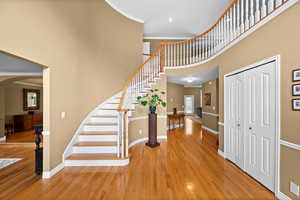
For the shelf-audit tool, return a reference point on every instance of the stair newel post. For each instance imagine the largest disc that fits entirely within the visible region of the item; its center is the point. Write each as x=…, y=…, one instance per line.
x=119, y=132
x=126, y=123
x=122, y=134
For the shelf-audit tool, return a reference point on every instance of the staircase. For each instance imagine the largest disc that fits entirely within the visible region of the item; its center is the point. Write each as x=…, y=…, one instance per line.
x=102, y=138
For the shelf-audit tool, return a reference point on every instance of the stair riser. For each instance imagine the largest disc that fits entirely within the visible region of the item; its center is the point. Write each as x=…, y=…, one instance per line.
x=97, y=138
x=98, y=149
x=107, y=112
x=114, y=101
x=100, y=128
x=96, y=162
x=103, y=120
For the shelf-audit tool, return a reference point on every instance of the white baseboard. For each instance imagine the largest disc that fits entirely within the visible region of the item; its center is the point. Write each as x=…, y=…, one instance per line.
x=3, y=139
x=52, y=172
x=282, y=196
x=160, y=137
x=221, y=153
x=210, y=130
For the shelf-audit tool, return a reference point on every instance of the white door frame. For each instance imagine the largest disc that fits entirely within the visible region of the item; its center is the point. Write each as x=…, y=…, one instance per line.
x=193, y=103
x=277, y=111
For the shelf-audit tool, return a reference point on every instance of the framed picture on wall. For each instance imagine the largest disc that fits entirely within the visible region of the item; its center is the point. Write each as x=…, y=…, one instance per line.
x=296, y=75
x=207, y=99
x=296, y=104
x=296, y=90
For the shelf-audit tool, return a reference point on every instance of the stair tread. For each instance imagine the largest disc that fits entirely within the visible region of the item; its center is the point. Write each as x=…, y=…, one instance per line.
x=83, y=144
x=99, y=133
x=100, y=124
x=114, y=103
x=109, y=109
x=94, y=156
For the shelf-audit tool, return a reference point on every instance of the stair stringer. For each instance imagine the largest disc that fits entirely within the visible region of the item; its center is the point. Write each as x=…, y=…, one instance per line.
x=68, y=150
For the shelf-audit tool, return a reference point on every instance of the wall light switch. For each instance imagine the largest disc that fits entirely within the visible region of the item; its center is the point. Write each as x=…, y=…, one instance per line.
x=294, y=188
x=172, y=99
x=140, y=131
x=63, y=115
x=214, y=107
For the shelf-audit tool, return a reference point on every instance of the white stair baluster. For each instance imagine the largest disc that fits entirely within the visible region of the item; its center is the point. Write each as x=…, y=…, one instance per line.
x=263, y=9
x=238, y=18
x=247, y=22
x=278, y=3
x=234, y=22
x=257, y=12
x=270, y=6
x=251, y=13
x=242, y=28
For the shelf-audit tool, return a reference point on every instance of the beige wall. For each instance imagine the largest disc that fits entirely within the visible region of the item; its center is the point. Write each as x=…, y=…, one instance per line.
x=90, y=49
x=2, y=112
x=209, y=121
x=278, y=37
x=175, y=93
x=14, y=99
x=138, y=128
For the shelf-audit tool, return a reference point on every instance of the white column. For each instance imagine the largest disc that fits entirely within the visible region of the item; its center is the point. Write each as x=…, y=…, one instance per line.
x=247, y=22
x=257, y=12
x=251, y=13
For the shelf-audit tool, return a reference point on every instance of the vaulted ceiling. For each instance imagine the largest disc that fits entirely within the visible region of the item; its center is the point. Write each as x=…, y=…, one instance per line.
x=173, y=18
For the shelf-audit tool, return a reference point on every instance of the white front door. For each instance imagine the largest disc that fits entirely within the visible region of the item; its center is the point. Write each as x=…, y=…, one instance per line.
x=188, y=104
x=260, y=124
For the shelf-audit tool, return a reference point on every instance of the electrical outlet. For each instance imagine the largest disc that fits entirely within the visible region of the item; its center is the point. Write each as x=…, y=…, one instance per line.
x=294, y=188
x=63, y=115
x=140, y=131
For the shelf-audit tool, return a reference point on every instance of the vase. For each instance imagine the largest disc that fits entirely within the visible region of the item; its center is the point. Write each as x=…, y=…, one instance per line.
x=152, y=109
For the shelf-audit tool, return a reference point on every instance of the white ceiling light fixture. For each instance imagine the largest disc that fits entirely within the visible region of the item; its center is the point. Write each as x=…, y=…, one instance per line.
x=190, y=79
x=170, y=19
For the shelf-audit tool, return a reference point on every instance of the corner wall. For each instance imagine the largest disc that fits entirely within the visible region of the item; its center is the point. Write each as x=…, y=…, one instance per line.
x=90, y=49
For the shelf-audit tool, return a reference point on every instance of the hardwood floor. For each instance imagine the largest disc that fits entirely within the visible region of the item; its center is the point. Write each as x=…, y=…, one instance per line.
x=18, y=176
x=186, y=166
x=19, y=137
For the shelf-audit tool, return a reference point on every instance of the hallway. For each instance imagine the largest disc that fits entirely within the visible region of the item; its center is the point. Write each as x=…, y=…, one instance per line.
x=187, y=166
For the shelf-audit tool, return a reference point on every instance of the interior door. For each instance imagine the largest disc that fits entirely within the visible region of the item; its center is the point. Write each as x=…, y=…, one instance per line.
x=188, y=104
x=234, y=148
x=260, y=121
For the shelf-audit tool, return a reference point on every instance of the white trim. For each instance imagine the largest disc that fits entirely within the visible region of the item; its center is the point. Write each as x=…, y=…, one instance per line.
x=146, y=117
x=160, y=137
x=29, y=84
x=221, y=123
x=165, y=38
x=221, y=153
x=193, y=111
x=282, y=196
x=212, y=114
x=46, y=133
x=290, y=144
x=3, y=139
x=21, y=73
x=52, y=172
x=210, y=130
x=123, y=13
x=170, y=113
x=277, y=12
x=277, y=112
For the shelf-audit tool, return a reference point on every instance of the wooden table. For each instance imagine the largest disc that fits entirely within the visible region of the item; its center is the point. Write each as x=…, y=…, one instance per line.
x=173, y=118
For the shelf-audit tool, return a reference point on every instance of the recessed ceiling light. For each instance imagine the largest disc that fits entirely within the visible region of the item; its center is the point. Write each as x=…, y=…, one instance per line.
x=170, y=19
x=190, y=79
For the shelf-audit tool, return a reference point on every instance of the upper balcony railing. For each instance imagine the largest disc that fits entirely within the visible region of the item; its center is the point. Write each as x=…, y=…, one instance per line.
x=237, y=19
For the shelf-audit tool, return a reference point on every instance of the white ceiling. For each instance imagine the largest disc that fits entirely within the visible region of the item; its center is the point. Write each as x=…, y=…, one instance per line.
x=13, y=65
x=198, y=78
x=190, y=17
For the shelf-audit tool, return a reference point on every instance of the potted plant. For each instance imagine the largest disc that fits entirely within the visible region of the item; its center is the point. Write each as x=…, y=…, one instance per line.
x=153, y=99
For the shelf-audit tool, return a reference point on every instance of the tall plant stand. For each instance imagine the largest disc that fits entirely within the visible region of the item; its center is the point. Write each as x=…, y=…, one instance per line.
x=152, y=130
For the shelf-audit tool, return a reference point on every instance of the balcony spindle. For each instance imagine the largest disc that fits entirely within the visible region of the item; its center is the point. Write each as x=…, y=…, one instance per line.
x=238, y=18
x=263, y=9
x=257, y=12
x=270, y=6
x=242, y=28
x=251, y=13
x=247, y=22
x=278, y=3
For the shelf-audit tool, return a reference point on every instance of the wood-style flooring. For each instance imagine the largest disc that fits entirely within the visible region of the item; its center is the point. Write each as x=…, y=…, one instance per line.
x=186, y=166
x=20, y=137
